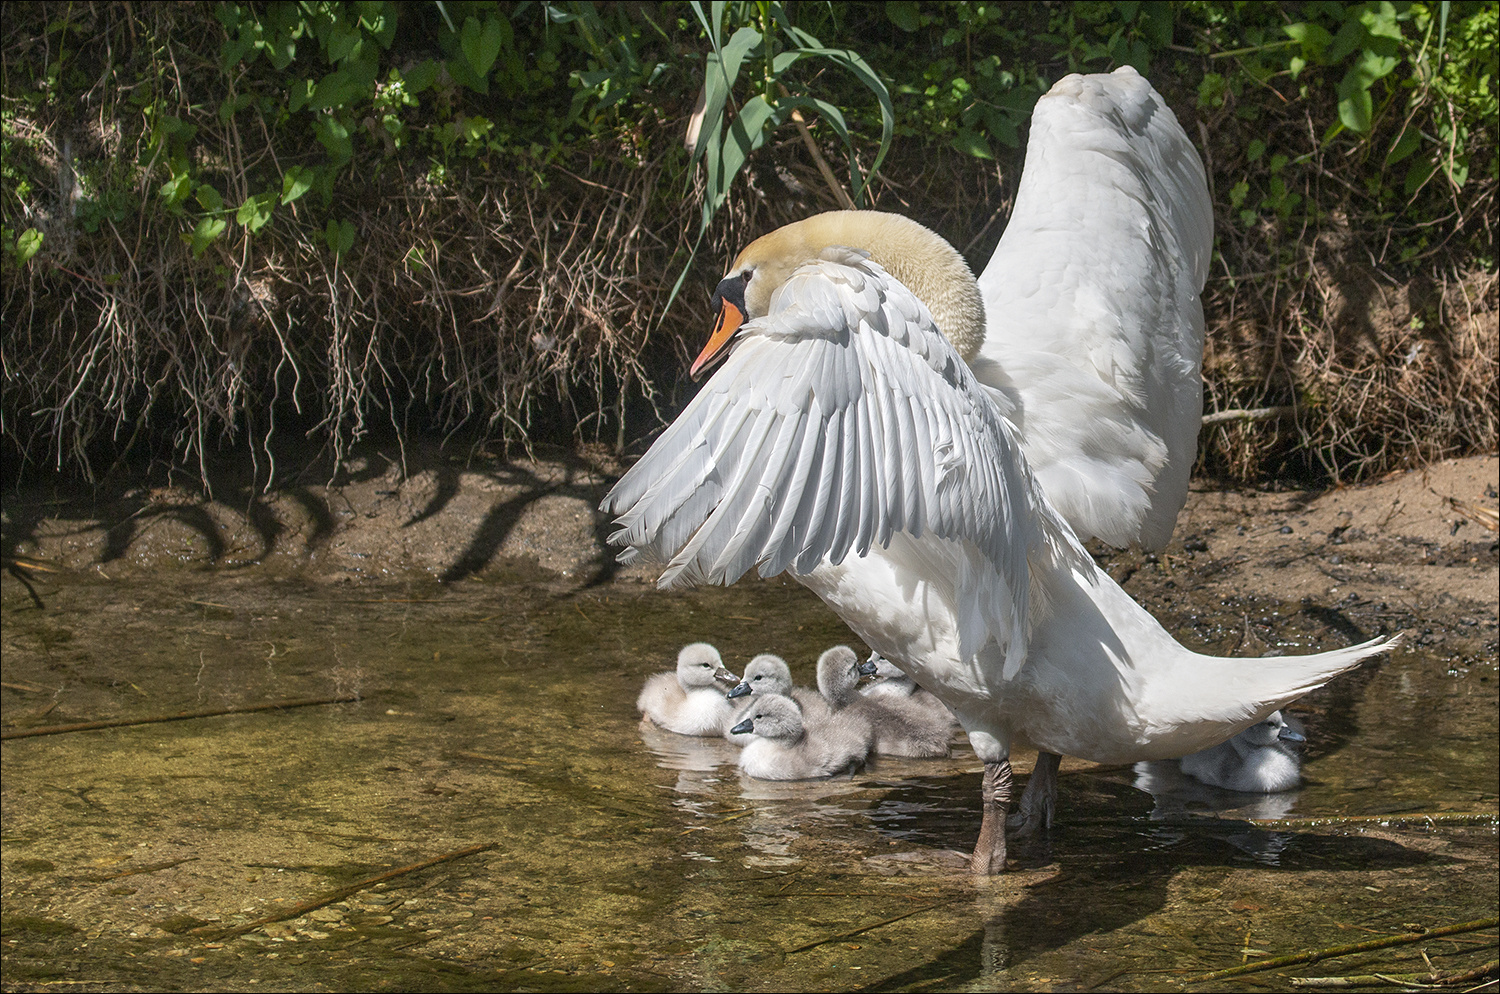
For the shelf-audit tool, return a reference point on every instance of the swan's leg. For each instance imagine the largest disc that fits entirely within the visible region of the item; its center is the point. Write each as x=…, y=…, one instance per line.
x=989, y=851
x=1039, y=800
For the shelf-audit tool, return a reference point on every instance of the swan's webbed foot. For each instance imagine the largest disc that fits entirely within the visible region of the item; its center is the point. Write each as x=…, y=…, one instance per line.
x=1039, y=800
x=989, y=851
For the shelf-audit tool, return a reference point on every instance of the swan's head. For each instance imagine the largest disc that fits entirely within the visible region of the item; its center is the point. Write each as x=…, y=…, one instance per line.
x=885, y=669
x=919, y=257
x=1275, y=730
x=838, y=674
x=765, y=674
x=699, y=665
x=772, y=717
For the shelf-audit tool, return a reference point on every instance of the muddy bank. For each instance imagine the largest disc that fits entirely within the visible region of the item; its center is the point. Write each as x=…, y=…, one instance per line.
x=1414, y=550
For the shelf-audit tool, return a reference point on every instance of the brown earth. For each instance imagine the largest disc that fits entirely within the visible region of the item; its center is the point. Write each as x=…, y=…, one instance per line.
x=1421, y=534
x=1416, y=549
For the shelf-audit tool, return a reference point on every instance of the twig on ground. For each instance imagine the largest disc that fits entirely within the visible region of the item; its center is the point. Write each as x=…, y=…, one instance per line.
x=215, y=934
x=1314, y=955
x=181, y=716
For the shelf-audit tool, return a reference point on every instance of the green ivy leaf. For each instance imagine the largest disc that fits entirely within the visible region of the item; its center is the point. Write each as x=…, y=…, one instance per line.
x=1356, y=109
x=297, y=181
x=481, y=44
x=343, y=40
x=422, y=75
x=1417, y=176
x=28, y=244
x=330, y=131
x=1409, y=141
x=904, y=14
x=339, y=235
x=175, y=190
x=281, y=51
x=209, y=198
x=379, y=18
x=255, y=212
x=205, y=234
x=1313, y=38
x=972, y=142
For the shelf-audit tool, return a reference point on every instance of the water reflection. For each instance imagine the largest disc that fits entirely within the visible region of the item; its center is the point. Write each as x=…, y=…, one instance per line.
x=1176, y=795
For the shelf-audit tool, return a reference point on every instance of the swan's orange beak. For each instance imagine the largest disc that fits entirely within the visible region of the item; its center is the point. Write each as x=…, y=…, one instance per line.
x=730, y=319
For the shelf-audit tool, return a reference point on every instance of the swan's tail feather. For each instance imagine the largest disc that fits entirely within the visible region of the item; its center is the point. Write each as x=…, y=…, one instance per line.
x=1298, y=675
x=1217, y=697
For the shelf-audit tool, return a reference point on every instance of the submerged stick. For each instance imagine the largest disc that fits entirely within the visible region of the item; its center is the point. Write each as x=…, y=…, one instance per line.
x=86, y=726
x=1313, y=956
x=1435, y=817
x=859, y=931
x=214, y=934
x=153, y=868
x=1402, y=979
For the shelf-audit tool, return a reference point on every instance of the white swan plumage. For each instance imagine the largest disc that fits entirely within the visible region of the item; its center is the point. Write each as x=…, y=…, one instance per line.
x=845, y=440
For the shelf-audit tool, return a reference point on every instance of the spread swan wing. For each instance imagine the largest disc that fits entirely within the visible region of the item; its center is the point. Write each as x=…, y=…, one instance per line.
x=1094, y=326
x=840, y=418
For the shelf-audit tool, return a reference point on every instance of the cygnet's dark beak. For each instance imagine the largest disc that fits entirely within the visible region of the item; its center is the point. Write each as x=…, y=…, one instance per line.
x=743, y=728
x=740, y=690
x=1289, y=735
x=868, y=668
x=723, y=675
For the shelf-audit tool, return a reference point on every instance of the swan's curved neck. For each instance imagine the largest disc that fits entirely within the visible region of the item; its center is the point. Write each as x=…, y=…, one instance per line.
x=921, y=259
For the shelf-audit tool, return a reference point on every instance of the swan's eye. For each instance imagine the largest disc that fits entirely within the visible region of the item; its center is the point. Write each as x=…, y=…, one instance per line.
x=745, y=276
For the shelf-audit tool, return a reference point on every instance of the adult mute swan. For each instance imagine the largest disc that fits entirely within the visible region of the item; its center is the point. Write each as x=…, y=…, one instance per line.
x=1094, y=327
x=846, y=440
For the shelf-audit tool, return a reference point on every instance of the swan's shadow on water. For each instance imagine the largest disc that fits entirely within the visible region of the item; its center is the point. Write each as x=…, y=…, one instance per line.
x=1118, y=849
x=1122, y=837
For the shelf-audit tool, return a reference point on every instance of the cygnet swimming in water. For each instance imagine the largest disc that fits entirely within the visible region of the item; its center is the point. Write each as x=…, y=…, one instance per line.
x=1260, y=760
x=889, y=682
x=897, y=727
x=688, y=702
x=783, y=747
x=769, y=674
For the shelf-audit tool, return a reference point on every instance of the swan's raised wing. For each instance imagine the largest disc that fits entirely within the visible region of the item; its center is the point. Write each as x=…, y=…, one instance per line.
x=841, y=417
x=1094, y=327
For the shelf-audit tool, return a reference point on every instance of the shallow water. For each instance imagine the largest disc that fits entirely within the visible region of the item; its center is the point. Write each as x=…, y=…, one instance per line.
x=502, y=714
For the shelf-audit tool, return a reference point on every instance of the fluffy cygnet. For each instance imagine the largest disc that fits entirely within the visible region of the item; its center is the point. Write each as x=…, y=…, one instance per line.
x=896, y=727
x=688, y=702
x=1260, y=760
x=769, y=674
x=889, y=682
x=783, y=747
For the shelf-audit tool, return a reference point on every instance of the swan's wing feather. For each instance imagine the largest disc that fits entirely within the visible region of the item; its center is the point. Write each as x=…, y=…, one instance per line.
x=1094, y=326
x=840, y=419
